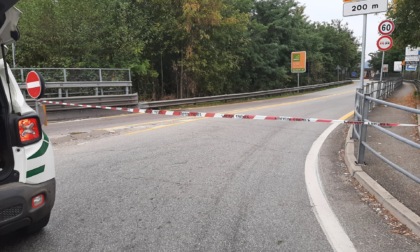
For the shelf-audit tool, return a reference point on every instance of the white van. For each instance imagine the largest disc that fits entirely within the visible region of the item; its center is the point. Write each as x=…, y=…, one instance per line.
x=27, y=172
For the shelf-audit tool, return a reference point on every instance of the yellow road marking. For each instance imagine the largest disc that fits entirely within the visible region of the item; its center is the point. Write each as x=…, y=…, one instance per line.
x=347, y=116
x=163, y=126
x=140, y=124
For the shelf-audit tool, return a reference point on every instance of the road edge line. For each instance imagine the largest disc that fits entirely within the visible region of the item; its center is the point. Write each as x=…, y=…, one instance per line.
x=333, y=230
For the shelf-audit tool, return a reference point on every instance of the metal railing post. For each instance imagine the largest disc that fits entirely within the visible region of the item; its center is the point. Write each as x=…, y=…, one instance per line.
x=100, y=75
x=356, y=108
x=371, y=88
x=378, y=92
x=65, y=75
x=385, y=90
x=389, y=89
x=21, y=75
x=363, y=132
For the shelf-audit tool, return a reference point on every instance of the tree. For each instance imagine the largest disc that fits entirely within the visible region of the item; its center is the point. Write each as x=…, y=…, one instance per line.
x=184, y=48
x=274, y=33
x=395, y=54
x=406, y=16
x=338, y=48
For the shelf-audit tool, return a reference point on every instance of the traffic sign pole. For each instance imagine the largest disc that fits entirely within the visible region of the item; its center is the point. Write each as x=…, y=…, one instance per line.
x=382, y=66
x=362, y=63
x=386, y=28
x=298, y=84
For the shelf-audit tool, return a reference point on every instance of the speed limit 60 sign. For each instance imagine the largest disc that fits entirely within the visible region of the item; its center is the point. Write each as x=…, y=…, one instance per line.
x=386, y=27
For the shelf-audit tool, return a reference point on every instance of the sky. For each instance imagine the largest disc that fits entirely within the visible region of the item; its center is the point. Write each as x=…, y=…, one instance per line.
x=327, y=10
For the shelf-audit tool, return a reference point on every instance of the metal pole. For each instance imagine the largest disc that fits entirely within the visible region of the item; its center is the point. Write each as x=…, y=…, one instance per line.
x=418, y=70
x=363, y=132
x=65, y=75
x=382, y=66
x=298, y=81
x=36, y=107
x=21, y=75
x=362, y=64
x=358, y=110
x=181, y=87
x=14, y=55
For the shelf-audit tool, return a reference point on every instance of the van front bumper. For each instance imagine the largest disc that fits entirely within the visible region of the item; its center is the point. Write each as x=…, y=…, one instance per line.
x=16, y=210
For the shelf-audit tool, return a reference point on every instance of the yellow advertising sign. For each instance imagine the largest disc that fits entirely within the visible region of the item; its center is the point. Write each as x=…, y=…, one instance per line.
x=298, y=64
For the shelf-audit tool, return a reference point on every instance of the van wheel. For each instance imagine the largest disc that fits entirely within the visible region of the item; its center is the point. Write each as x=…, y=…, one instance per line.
x=37, y=226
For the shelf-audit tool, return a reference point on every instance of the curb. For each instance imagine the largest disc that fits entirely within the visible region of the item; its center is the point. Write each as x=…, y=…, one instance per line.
x=396, y=208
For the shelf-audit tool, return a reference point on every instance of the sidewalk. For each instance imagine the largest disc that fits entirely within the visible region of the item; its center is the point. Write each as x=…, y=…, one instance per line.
x=381, y=179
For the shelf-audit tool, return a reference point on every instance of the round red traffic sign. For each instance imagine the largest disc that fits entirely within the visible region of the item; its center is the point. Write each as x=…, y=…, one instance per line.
x=34, y=84
x=386, y=27
x=385, y=43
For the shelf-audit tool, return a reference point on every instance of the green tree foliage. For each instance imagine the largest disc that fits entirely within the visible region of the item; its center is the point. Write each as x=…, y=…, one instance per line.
x=339, y=48
x=395, y=54
x=184, y=48
x=406, y=16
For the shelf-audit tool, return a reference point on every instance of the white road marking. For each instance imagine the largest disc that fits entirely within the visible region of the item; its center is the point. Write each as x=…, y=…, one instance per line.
x=329, y=222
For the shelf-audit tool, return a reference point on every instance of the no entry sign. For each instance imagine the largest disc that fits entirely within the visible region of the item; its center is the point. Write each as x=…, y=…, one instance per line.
x=384, y=43
x=35, y=85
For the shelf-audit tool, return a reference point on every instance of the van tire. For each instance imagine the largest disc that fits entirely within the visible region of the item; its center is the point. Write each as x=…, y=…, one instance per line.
x=37, y=226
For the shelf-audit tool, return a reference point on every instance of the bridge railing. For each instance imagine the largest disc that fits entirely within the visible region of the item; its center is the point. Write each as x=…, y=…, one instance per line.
x=366, y=98
x=227, y=97
x=91, y=86
x=75, y=82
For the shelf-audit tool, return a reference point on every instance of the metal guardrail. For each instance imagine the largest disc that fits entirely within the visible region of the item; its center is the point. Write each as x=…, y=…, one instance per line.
x=364, y=102
x=68, y=82
x=106, y=100
x=178, y=102
x=381, y=90
x=91, y=86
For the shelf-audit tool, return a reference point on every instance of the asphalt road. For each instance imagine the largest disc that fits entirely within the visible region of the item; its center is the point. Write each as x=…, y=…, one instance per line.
x=156, y=183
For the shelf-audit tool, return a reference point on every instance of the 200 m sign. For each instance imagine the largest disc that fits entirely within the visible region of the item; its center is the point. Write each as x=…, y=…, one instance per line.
x=364, y=7
x=360, y=7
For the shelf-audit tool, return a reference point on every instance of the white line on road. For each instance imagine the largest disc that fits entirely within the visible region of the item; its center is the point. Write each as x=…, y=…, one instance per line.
x=329, y=222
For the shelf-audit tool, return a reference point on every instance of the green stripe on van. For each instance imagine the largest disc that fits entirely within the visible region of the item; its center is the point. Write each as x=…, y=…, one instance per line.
x=42, y=150
x=35, y=171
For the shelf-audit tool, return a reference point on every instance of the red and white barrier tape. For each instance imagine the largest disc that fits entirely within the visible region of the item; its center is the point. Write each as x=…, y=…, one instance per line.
x=231, y=116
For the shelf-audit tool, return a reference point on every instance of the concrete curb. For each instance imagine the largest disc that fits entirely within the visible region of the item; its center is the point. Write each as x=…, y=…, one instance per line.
x=396, y=208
